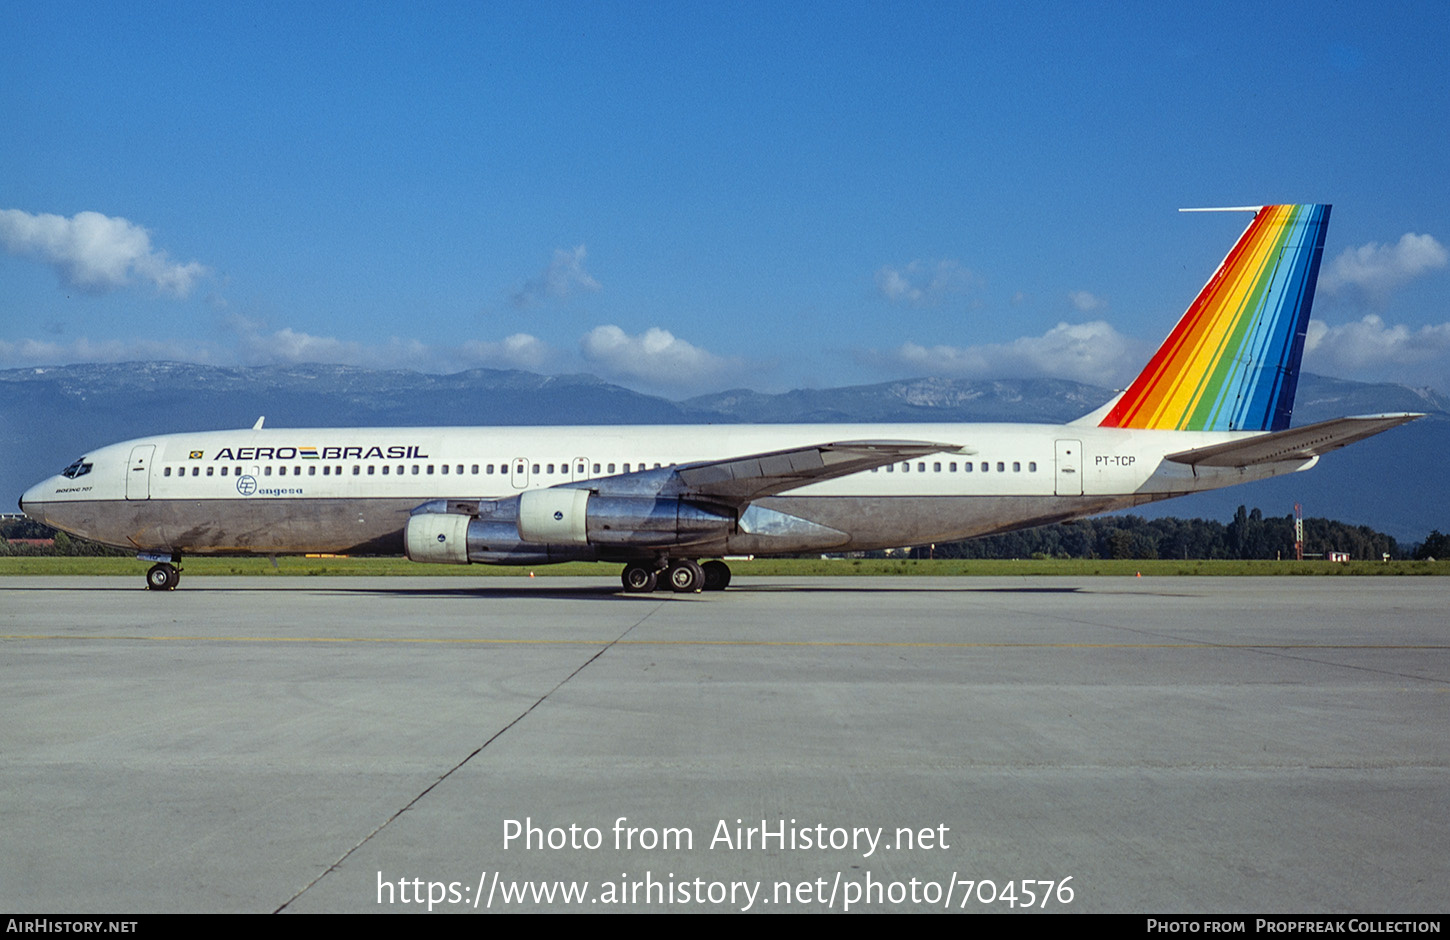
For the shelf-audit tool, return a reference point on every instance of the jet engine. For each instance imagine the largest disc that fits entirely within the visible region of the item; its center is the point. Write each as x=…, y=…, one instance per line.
x=560, y=524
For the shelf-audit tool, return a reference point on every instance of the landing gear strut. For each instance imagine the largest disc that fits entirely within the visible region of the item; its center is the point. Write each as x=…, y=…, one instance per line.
x=683, y=576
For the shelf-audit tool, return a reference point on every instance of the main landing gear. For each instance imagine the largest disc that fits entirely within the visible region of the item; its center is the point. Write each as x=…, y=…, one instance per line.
x=682, y=575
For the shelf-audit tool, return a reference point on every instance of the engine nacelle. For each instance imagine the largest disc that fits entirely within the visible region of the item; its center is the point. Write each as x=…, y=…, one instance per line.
x=554, y=516
x=559, y=524
x=654, y=523
x=440, y=538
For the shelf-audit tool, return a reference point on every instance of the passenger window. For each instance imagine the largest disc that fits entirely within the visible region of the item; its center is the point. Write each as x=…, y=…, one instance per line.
x=1016, y=467
x=167, y=473
x=415, y=469
x=444, y=468
x=536, y=469
x=921, y=467
x=475, y=470
x=1001, y=466
x=196, y=471
x=906, y=466
x=984, y=466
x=967, y=467
x=611, y=468
x=267, y=470
x=210, y=471
x=626, y=468
x=952, y=467
x=1032, y=466
x=311, y=471
x=224, y=471
x=385, y=469
x=596, y=468
x=356, y=470
x=430, y=469
x=371, y=469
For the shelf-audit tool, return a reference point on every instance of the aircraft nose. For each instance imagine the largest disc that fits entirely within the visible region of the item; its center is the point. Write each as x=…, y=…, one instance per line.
x=30, y=502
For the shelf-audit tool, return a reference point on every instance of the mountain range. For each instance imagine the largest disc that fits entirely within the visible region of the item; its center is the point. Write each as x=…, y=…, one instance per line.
x=1396, y=482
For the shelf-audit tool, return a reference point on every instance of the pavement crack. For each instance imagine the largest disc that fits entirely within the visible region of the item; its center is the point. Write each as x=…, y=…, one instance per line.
x=470, y=756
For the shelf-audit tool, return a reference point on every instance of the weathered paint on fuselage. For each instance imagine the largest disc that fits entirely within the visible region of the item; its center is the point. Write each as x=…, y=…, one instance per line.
x=283, y=491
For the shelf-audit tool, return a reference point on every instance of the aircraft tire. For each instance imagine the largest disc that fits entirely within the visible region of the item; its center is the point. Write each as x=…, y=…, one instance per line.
x=685, y=576
x=162, y=577
x=717, y=575
x=639, y=579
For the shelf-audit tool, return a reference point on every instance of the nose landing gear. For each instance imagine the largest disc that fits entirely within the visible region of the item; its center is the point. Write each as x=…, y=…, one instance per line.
x=165, y=575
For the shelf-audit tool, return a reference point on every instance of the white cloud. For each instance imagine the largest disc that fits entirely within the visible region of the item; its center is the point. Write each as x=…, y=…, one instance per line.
x=1088, y=352
x=1370, y=349
x=1379, y=269
x=656, y=357
x=258, y=345
x=519, y=351
x=95, y=252
x=34, y=352
x=1086, y=302
x=924, y=283
x=564, y=276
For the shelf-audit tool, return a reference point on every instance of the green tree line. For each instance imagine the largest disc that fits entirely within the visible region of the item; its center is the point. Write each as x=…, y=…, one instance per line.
x=1250, y=535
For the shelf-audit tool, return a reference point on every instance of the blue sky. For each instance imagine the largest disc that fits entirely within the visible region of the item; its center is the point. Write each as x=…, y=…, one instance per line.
x=687, y=197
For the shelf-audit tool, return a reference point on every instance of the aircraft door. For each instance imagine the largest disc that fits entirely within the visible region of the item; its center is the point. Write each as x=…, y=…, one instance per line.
x=1069, y=468
x=519, y=473
x=138, y=472
x=581, y=469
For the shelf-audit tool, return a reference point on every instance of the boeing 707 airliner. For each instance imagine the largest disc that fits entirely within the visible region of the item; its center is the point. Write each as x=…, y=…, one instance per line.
x=1211, y=409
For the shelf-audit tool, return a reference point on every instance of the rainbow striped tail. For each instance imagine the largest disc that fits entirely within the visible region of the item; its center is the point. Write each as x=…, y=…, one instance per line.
x=1232, y=362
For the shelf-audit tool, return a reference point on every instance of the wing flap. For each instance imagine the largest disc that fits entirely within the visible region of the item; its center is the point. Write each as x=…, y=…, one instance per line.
x=1292, y=444
x=742, y=479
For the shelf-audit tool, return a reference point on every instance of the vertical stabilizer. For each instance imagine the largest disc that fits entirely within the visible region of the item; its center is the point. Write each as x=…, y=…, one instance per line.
x=1232, y=362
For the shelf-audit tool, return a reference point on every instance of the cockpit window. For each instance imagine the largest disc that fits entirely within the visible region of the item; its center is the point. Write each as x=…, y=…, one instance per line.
x=78, y=469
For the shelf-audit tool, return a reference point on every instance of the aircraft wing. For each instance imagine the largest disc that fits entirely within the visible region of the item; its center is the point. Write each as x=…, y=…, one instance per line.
x=1293, y=443
x=739, y=480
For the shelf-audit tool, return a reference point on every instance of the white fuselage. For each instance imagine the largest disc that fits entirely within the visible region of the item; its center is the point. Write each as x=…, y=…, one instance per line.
x=279, y=491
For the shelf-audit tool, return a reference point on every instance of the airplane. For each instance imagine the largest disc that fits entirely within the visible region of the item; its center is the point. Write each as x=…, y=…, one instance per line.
x=1212, y=408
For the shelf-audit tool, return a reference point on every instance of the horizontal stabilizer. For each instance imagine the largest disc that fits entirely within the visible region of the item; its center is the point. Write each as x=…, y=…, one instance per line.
x=1293, y=444
x=742, y=479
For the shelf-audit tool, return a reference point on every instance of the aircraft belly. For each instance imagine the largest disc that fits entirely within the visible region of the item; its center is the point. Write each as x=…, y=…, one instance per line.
x=238, y=526
x=890, y=521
